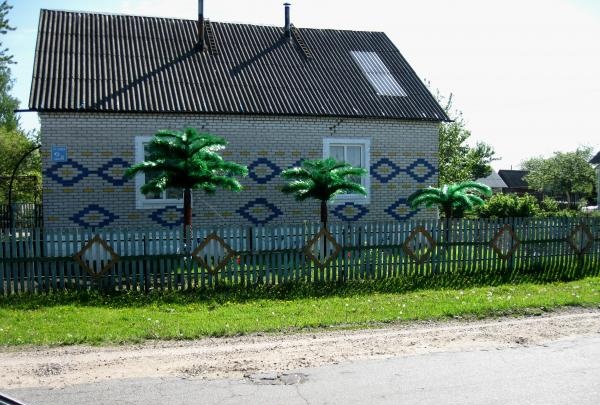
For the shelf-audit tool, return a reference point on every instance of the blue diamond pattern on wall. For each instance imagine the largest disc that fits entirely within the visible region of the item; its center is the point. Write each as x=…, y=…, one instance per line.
x=385, y=170
x=259, y=211
x=114, y=171
x=420, y=170
x=350, y=211
x=169, y=216
x=94, y=216
x=262, y=170
x=400, y=210
x=67, y=173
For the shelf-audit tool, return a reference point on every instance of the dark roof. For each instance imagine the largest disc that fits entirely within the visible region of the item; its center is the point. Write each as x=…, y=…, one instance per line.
x=493, y=180
x=102, y=62
x=514, y=178
x=596, y=159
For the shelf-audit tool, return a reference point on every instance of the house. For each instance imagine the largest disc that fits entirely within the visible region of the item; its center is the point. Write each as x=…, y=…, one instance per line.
x=493, y=181
x=515, y=181
x=596, y=161
x=104, y=84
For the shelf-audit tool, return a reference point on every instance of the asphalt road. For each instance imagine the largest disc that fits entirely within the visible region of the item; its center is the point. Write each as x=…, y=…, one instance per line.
x=562, y=372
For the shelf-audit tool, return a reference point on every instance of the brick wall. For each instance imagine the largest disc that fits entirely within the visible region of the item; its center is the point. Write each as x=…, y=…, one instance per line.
x=89, y=189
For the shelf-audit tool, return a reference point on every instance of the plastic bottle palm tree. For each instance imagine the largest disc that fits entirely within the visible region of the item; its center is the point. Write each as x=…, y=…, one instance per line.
x=322, y=180
x=189, y=161
x=451, y=198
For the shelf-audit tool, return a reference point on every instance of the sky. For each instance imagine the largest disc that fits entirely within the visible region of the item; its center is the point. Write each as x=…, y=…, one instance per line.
x=524, y=73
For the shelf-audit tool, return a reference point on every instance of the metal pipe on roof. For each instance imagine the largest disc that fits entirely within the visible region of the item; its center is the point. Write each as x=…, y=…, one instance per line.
x=201, y=25
x=287, y=27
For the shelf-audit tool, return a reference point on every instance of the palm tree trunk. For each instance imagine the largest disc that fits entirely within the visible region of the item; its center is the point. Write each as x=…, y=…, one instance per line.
x=324, y=213
x=324, y=222
x=187, y=217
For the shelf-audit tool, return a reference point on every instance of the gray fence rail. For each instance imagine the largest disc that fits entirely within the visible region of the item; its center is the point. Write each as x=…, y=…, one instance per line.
x=36, y=260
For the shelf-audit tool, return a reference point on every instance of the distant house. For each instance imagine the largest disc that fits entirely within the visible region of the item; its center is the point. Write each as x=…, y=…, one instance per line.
x=494, y=181
x=596, y=161
x=104, y=84
x=515, y=181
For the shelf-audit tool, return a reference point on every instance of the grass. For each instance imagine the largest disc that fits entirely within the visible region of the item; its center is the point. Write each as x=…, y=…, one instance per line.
x=92, y=318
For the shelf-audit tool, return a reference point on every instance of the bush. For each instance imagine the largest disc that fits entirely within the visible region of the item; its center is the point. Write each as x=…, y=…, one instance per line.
x=509, y=205
x=512, y=205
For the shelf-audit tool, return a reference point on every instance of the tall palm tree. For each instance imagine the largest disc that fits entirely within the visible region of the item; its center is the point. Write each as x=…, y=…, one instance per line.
x=323, y=179
x=187, y=160
x=452, y=198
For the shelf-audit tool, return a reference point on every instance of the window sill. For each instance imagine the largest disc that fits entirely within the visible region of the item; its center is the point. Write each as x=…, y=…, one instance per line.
x=149, y=205
x=351, y=198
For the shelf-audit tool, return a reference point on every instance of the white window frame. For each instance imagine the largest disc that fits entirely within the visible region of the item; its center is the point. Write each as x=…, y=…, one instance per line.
x=141, y=202
x=364, y=143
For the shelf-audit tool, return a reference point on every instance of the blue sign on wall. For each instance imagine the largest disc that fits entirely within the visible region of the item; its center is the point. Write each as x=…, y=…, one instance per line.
x=59, y=153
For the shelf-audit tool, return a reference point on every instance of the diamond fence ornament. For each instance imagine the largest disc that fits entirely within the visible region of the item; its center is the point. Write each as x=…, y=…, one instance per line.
x=322, y=248
x=96, y=257
x=581, y=239
x=419, y=245
x=213, y=253
x=506, y=242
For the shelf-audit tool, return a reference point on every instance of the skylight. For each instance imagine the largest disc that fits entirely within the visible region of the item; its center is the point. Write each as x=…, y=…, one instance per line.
x=378, y=74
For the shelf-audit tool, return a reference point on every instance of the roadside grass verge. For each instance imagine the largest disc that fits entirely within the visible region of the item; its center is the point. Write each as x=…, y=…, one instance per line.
x=93, y=318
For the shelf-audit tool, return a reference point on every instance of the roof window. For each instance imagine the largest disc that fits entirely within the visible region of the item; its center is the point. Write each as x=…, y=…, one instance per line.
x=378, y=74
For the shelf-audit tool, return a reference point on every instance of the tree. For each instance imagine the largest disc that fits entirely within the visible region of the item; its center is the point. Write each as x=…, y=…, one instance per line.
x=14, y=142
x=189, y=161
x=14, y=145
x=451, y=199
x=8, y=104
x=323, y=180
x=458, y=161
x=563, y=174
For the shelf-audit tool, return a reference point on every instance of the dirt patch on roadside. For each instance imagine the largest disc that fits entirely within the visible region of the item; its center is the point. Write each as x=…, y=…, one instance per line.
x=240, y=356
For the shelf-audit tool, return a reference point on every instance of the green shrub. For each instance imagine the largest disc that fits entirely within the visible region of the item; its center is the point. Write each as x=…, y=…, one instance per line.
x=509, y=205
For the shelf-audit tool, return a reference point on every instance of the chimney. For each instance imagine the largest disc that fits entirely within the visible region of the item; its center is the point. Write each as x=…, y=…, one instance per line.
x=201, y=42
x=287, y=28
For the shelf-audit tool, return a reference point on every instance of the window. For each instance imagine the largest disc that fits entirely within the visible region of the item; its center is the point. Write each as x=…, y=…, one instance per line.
x=170, y=196
x=378, y=74
x=356, y=152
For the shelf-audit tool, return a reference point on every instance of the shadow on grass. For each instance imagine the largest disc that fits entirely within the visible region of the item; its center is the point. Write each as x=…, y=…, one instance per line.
x=297, y=290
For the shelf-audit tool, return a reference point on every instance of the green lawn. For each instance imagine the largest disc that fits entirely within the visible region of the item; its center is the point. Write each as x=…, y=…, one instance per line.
x=95, y=319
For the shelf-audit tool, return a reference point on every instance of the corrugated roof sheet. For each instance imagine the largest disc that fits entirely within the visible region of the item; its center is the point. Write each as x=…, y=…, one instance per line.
x=100, y=62
x=596, y=159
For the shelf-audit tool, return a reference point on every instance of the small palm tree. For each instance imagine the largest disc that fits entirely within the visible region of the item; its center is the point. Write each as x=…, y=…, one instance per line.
x=323, y=179
x=451, y=198
x=189, y=161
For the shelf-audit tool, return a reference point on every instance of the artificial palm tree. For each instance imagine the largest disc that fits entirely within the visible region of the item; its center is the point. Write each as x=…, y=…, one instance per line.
x=187, y=160
x=452, y=198
x=323, y=179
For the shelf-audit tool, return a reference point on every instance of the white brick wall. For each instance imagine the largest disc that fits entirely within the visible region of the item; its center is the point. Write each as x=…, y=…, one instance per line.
x=95, y=139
